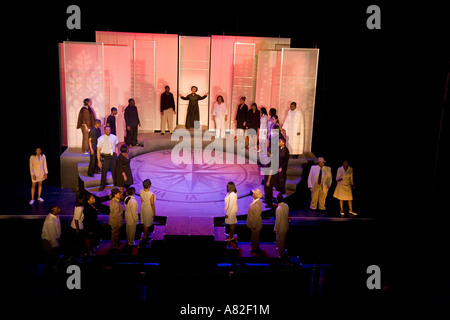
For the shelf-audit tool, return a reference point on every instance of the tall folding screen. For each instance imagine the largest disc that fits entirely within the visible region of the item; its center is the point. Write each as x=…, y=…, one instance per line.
x=194, y=63
x=166, y=66
x=268, y=79
x=83, y=78
x=117, y=83
x=243, y=74
x=298, y=83
x=144, y=91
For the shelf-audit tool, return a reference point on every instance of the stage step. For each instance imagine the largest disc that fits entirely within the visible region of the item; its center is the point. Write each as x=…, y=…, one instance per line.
x=90, y=182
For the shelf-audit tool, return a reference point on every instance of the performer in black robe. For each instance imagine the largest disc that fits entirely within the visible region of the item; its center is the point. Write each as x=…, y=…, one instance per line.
x=193, y=113
x=241, y=115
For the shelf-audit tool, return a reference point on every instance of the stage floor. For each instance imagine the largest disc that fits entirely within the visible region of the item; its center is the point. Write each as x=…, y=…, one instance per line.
x=191, y=189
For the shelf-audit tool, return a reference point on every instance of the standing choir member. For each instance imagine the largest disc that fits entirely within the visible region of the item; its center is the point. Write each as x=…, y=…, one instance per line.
x=86, y=118
x=147, y=206
x=167, y=110
x=111, y=121
x=275, y=130
x=294, y=127
x=77, y=225
x=123, y=171
x=343, y=191
x=131, y=122
x=91, y=225
x=220, y=114
x=38, y=172
x=193, y=113
x=106, y=156
x=51, y=232
x=253, y=122
x=254, y=221
x=283, y=156
x=131, y=216
x=241, y=116
x=263, y=131
x=231, y=208
x=115, y=217
x=319, y=181
x=94, y=134
x=281, y=225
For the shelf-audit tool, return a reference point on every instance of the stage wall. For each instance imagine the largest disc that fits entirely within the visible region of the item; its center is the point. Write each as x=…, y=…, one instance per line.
x=139, y=65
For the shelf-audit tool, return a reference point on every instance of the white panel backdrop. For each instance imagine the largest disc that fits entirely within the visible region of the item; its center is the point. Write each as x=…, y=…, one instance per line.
x=194, y=58
x=117, y=84
x=298, y=83
x=138, y=65
x=83, y=78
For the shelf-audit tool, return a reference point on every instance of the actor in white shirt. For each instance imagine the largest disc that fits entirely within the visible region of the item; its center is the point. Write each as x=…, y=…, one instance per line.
x=294, y=126
x=51, y=232
x=220, y=113
x=107, y=152
x=319, y=181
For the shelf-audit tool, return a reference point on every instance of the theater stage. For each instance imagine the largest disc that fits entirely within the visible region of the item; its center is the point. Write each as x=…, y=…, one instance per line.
x=194, y=189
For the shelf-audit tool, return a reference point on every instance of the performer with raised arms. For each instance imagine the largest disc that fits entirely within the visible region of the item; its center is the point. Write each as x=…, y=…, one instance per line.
x=193, y=113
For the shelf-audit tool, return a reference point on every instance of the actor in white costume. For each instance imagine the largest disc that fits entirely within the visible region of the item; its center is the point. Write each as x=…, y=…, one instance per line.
x=38, y=171
x=281, y=225
x=220, y=113
x=319, y=181
x=294, y=125
x=231, y=208
x=343, y=191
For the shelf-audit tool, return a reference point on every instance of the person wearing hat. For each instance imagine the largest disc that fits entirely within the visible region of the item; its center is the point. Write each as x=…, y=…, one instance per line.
x=319, y=181
x=254, y=221
x=281, y=225
x=115, y=217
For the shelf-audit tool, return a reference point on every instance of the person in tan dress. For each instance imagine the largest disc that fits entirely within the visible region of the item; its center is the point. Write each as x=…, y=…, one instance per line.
x=254, y=221
x=343, y=191
x=115, y=217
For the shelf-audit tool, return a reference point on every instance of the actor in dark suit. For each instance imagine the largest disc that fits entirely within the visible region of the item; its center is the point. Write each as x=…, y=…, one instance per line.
x=283, y=154
x=94, y=134
x=241, y=115
x=132, y=122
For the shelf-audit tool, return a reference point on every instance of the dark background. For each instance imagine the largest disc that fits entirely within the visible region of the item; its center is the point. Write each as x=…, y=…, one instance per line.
x=379, y=92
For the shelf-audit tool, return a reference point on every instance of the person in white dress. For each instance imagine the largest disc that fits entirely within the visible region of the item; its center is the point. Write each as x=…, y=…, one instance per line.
x=319, y=182
x=131, y=217
x=343, y=191
x=38, y=171
x=231, y=208
x=294, y=127
x=263, y=125
x=147, y=206
x=220, y=114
